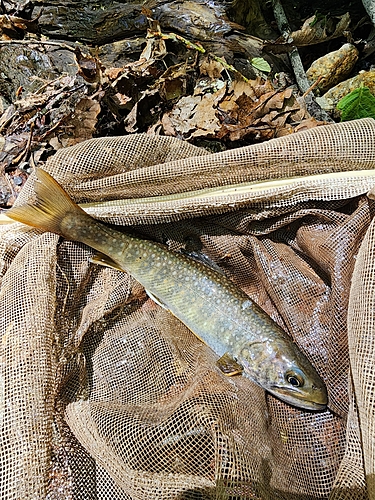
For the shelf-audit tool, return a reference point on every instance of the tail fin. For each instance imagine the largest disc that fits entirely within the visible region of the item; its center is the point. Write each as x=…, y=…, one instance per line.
x=49, y=208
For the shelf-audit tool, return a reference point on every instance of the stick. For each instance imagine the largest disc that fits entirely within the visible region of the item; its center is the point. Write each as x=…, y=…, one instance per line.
x=30, y=41
x=303, y=84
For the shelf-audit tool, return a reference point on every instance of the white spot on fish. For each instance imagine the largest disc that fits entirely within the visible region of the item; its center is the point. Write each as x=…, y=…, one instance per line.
x=246, y=305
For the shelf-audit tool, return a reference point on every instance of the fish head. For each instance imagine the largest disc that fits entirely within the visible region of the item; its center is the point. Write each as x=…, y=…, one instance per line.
x=285, y=372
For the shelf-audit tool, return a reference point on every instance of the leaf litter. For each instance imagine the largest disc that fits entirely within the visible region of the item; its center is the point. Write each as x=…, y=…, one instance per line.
x=175, y=87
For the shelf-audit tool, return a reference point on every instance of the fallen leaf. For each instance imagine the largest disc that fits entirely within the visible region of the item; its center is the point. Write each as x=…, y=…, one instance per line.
x=14, y=27
x=211, y=68
x=236, y=112
x=194, y=116
x=79, y=127
x=205, y=118
x=308, y=123
x=261, y=64
x=314, y=30
x=113, y=73
x=121, y=101
x=180, y=118
x=173, y=82
x=317, y=30
x=145, y=112
x=89, y=67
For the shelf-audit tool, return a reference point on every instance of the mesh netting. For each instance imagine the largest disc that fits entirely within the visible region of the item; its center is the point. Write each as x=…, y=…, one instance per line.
x=104, y=395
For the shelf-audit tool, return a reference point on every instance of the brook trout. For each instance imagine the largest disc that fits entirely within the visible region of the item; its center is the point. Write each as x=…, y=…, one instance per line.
x=208, y=303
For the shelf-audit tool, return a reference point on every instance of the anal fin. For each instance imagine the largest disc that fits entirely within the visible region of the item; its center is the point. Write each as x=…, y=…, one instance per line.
x=104, y=260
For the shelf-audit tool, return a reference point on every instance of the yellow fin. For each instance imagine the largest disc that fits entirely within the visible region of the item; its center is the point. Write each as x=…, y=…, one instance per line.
x=104, y=260
x=49, y=207
x=158, y=301
x=229, y=366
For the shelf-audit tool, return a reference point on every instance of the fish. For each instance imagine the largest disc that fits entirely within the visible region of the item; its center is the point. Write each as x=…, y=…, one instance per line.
x=243, y=336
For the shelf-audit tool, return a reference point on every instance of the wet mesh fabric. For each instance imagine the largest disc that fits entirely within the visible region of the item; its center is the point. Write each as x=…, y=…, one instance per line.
x=105, y=395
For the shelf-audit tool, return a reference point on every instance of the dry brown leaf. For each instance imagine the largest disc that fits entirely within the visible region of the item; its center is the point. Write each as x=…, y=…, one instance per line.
x=316, y=31
x=308, y=123
x=172, y=89
x=180, y=118
x=144, y=113
x=173, y=82
x=130, y=122
x=211, y=68
x=155, y=49
x=89, y=67
x=80, y=126
x=113, y=73
x=167, y=125
x=121, y=101
x=286, y=130
x=205, y=118
x=194, y=116
x=13, y=27
x=240, y=99
x=265, y=118
x=13, y=145
x=236, y=112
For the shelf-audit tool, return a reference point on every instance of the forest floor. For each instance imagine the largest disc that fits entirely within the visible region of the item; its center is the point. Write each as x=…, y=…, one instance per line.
x=215, y=74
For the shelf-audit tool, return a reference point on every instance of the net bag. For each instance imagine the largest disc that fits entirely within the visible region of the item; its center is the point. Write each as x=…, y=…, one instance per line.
x=105, y=395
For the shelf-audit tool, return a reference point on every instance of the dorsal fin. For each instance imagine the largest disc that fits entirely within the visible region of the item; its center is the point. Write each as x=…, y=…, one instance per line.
x=203, y=258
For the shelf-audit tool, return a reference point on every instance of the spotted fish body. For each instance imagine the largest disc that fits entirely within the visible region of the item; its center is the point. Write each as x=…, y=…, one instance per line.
x=206, y=301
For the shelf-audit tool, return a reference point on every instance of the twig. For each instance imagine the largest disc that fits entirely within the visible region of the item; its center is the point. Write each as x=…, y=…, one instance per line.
x=25, y=152
x=30, y=41
x=52, y=129
x=315, y=84
x=50, y=83
x=194, y=46
x=295, y=60
x=6, y=123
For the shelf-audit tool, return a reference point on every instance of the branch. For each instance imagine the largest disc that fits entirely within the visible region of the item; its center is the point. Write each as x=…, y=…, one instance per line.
x=38, y=42
x=303, y=84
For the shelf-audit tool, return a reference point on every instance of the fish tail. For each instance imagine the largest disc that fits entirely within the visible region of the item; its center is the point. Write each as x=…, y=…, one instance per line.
x=51, y=209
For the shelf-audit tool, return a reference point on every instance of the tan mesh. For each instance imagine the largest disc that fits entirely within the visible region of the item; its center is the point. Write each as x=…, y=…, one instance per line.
x=104, y=395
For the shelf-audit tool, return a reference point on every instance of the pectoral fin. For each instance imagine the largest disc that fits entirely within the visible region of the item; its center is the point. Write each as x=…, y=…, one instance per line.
x=104, y=260
x=229, y=366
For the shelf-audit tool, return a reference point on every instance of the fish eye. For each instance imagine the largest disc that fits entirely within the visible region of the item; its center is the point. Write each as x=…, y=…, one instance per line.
x=294, y=379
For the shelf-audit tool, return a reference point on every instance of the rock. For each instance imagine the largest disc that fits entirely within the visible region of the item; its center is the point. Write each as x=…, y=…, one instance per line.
x=333, y=68
x=30, y=66
x=365, y=78
x=88, y=23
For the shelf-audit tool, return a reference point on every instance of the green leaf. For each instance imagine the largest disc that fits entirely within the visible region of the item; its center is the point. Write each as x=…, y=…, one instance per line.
x=359, y=103
x=261, y=64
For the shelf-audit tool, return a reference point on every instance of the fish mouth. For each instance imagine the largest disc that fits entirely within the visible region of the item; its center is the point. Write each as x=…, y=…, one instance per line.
x=299, y=400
